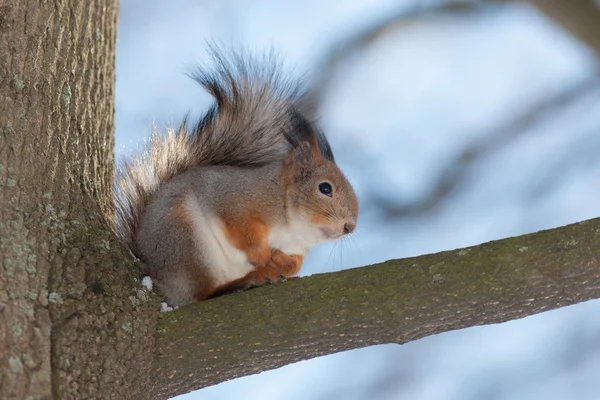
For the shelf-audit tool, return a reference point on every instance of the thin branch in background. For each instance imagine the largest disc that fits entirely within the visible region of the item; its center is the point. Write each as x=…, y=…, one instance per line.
x=362, y=40
x=580, y=155
x=581, y=19
x=455, y=172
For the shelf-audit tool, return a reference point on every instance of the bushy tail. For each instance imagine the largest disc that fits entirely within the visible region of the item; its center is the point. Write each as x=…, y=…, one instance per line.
x=255, y=121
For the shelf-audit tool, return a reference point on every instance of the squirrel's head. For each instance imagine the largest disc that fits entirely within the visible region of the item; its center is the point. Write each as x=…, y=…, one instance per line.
x=318, y=195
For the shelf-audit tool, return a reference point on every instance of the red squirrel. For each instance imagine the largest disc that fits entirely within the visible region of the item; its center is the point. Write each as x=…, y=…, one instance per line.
x=238, y=200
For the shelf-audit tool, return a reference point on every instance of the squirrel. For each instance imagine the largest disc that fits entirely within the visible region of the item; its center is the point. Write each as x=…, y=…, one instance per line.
x=238, y=200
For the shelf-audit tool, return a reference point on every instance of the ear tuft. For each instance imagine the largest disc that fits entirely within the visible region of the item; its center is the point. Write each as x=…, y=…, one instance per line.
x=303, y=154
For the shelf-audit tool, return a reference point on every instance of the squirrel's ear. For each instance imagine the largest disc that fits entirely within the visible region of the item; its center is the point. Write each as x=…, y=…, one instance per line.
x=303, y=154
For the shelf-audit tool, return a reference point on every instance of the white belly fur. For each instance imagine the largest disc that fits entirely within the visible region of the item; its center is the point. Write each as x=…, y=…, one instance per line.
x=225, y=262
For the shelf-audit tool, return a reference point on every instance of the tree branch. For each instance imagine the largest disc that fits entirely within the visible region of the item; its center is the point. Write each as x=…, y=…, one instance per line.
x=394, y=302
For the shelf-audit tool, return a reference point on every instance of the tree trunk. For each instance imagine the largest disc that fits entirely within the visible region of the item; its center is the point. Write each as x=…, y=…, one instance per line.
x=71, y=323
x=74, y=320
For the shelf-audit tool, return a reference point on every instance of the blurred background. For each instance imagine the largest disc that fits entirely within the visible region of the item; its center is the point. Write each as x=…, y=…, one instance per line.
x=456, y=122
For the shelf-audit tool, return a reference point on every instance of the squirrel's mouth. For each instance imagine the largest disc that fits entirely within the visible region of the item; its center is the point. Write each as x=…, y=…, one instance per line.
x=330, y=234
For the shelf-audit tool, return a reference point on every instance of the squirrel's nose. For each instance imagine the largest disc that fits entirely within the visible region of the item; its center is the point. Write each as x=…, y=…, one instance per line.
x=349, y=227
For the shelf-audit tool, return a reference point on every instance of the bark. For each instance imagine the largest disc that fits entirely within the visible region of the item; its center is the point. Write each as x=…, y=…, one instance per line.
x=394, y=302
x=71, y=322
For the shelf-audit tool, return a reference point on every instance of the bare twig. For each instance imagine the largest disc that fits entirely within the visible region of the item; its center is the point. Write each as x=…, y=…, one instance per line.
x=454, y=173
x=360, y=41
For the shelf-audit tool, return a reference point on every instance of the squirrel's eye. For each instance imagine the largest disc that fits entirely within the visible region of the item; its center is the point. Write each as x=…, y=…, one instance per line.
x=325, y=188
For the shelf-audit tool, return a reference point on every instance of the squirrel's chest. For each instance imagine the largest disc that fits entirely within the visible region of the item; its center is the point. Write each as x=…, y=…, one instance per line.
x=295, y=237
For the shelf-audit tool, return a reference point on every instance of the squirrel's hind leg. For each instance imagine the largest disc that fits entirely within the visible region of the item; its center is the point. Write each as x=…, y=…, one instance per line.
x=167, y=242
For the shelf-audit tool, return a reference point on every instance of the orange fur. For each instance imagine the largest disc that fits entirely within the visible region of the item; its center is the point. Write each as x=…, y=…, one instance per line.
x=249, y=234
x=318, y=157
x=318, y=219
x=287, y=265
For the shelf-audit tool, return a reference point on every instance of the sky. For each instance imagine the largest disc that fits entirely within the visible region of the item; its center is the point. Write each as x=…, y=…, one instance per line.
x=397, y=114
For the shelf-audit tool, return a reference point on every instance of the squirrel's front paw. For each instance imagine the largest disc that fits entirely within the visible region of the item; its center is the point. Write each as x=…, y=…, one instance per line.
x=271, y=274
x=287, y=266
x=258, y=255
